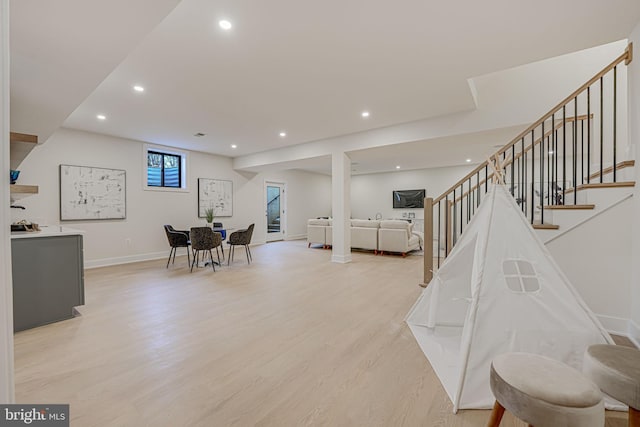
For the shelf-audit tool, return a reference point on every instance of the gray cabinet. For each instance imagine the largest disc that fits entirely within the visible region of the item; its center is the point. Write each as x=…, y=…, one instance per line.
x=48, y=279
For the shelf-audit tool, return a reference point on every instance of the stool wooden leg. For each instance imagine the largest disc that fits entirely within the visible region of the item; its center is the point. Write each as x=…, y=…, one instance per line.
x=634, y=417
x=496, y=415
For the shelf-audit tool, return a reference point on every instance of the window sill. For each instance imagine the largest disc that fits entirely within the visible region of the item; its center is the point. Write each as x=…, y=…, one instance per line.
x=166, y=189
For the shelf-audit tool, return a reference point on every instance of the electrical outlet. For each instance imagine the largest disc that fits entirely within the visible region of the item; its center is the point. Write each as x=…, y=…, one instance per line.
x=127, y=241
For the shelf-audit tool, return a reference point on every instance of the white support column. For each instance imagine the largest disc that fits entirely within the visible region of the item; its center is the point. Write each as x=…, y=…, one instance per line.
x=6, y=288
x=341, y=207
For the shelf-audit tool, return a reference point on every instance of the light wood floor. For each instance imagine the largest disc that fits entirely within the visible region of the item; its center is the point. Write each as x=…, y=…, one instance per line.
x=290, y=340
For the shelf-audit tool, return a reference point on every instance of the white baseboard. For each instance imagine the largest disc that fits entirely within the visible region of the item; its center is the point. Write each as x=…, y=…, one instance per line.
x=296, y=237
x=634, y=333
x=105, y=262
x=341, y=259
x=614, y=325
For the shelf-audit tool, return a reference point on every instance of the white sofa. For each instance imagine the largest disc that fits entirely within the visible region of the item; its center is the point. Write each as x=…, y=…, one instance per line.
x=317, y=232
x=397, y=236
x=364, y=234
x=377, y=236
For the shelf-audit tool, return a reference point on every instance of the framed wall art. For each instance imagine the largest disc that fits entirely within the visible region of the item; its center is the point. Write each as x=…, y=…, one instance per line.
x=90, y=193
x=216, y=194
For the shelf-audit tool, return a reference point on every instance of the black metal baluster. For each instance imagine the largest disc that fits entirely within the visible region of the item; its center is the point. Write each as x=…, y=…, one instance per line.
x=513, y=166
x=439, y=243
x=446, y=224
x=555, y=173
x=533, y=175
x=575, y=150
x=564, y=154
x=478, y=189
x=615, y=121
x=469, y=202
x=582, y=151
x=552, y=160
x=542, y=175
x=601, y=127
x=549, y=201
x=588, y=134
x=461, y=197
x=524, y=178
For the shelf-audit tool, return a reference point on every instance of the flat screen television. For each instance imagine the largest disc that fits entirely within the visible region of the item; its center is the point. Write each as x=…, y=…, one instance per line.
x=408, y=199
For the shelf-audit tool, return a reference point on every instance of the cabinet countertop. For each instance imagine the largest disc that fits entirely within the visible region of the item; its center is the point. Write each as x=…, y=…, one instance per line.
x=46, y=231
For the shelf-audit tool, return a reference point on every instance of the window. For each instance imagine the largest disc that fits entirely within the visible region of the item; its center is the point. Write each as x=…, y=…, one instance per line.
x=164, y=170
x=520, y=276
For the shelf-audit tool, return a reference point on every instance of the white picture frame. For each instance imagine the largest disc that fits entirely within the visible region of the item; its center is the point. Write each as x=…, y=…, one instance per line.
x=92, y=193
x=216, y=194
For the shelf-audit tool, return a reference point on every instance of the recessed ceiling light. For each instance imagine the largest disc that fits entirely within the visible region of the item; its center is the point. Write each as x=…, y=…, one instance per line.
x=468, y=160
x=101, y=117
x=365, y=114
x=234, y=146
x=283, y=134
x=398, y=167
x=138, y=88
x=224, y=24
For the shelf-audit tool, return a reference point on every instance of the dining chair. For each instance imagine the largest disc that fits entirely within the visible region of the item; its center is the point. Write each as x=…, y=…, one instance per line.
x=203, y=239
x=241, y=237
x=177, y=239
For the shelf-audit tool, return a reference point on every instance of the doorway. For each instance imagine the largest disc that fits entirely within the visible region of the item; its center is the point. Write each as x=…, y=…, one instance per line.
x=274, y=210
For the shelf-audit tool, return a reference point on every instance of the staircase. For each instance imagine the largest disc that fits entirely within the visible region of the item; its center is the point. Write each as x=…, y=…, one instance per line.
x=563, y=170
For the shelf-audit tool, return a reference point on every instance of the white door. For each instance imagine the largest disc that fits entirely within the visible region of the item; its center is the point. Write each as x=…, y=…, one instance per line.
x=274, y=210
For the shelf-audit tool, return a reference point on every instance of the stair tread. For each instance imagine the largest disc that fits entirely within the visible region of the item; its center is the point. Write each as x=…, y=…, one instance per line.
x=609, y=169
x=603, y=185
x=545, y=226
x=569, y=207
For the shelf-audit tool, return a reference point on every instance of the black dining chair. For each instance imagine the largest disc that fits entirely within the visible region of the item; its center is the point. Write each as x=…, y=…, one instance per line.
x=203, y=239
x=241, y=237
x=177, y=239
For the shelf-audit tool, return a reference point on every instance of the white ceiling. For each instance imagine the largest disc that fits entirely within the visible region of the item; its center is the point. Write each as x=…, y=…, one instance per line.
x=309, y=68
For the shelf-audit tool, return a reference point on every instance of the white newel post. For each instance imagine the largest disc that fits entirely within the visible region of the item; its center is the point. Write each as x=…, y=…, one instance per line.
x=341, y=207
x=6, y=291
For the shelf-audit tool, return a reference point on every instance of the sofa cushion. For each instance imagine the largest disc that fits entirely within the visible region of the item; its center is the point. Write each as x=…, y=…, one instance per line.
x=397, y=224
x=318, y=222
x=365, y=223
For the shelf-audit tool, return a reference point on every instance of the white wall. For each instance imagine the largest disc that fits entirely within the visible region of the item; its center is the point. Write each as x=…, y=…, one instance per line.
x=634, y=136
x=140, y=235
x=596, y=257
x=372, y=193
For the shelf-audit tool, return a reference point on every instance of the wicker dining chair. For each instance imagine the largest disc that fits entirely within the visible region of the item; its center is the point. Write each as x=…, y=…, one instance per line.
x=177, y=239
x=241, y=237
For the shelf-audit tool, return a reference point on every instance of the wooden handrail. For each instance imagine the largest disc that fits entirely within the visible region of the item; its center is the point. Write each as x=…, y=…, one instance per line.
x=627, y=56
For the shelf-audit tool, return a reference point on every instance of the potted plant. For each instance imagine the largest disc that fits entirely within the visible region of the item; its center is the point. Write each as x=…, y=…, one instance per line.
x=209, y=214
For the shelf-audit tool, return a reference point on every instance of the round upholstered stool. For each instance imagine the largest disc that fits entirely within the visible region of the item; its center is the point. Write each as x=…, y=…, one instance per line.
x=544, y=392
x=616, y=370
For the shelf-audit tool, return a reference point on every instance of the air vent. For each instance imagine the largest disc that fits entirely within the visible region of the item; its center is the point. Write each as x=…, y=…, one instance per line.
x=199, y=134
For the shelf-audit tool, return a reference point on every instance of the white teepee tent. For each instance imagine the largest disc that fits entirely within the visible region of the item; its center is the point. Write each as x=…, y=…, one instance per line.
x=498, y=291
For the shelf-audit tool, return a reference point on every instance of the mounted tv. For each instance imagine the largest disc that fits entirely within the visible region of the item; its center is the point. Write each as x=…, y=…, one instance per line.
x=408, y=199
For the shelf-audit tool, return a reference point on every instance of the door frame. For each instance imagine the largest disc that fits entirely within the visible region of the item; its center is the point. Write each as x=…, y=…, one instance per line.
x=283, y=210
